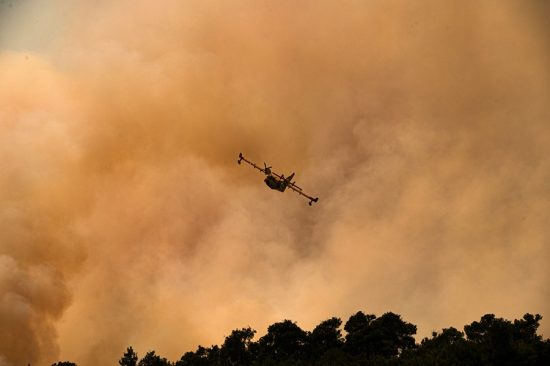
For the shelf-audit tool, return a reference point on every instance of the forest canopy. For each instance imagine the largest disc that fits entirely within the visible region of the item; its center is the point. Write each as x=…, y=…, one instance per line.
x=366, y=339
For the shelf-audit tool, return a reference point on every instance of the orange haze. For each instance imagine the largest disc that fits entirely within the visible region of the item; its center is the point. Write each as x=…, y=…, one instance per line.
x=424, y=128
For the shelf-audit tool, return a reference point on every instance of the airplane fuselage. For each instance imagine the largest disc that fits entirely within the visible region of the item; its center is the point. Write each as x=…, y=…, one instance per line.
x=274, y=183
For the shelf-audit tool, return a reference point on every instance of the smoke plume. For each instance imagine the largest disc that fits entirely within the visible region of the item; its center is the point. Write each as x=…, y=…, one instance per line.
x=125, y=220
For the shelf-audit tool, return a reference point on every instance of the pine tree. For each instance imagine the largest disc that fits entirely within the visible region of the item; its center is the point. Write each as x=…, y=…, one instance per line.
x=129, y=359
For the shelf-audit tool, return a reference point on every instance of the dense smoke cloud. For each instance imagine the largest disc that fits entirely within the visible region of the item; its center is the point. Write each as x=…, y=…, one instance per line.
x=423, y=128
x=38, y=247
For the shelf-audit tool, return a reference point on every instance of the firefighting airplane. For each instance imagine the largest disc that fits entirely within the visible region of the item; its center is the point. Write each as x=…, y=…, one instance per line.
x=276, y=181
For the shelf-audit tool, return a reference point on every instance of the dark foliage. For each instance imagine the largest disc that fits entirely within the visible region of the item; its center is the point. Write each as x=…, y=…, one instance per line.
x=129, y=358
x=151, y=359
x=235, y=350
x=283, y=343
x=370, y=341
x=202, y=357
x=386, y=337
x=326, y=336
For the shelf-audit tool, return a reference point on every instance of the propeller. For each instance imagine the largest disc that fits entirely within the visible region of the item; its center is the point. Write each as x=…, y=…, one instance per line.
x=267, y=169
x=313, y=200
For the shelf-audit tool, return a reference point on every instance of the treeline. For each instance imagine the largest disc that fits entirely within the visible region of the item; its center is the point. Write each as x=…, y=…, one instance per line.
x=371, y=341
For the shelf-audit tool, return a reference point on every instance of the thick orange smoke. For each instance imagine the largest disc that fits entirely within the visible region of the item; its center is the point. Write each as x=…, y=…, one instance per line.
x=125, y=220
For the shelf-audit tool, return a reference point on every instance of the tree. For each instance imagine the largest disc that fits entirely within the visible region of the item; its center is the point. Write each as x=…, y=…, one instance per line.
x=446, y=348
x=394, y=335
x=151, y=359
x=235, y=349
x=526, y=328
x=358, y=328
x=386, y=337
x=64, y=363
x=326, y=335
x=197, y=358
x=201, y=357
x=500, y=342
x=129, y=359
x=324, y=345
x=283, y=341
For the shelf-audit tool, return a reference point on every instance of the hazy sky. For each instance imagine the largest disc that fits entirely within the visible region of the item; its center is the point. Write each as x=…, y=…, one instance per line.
x=424, y=128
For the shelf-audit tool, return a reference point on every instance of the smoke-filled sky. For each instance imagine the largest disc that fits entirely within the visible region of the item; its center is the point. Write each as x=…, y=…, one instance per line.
x=424, y=128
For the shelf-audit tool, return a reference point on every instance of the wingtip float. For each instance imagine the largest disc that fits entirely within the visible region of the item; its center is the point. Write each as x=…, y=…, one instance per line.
x=276, y=181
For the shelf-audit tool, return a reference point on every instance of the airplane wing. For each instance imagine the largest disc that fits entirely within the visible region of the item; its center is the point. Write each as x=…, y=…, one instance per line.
x=266, y=170
x=242, y=158
x=293, y=184
x=298, y=190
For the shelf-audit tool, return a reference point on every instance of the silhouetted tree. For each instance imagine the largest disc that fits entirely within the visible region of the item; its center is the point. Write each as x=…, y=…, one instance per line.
x=283, y=341
x=151, y=359
x=385, y=337
x=326, y=335
x=201, y=357
x=394, y=334
x=198, y=358
x=235, y=349
x=64, y=363
x=325, y=344
x=129, y=358
x=500, y=342
x=447, y=348
x=357, y=328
